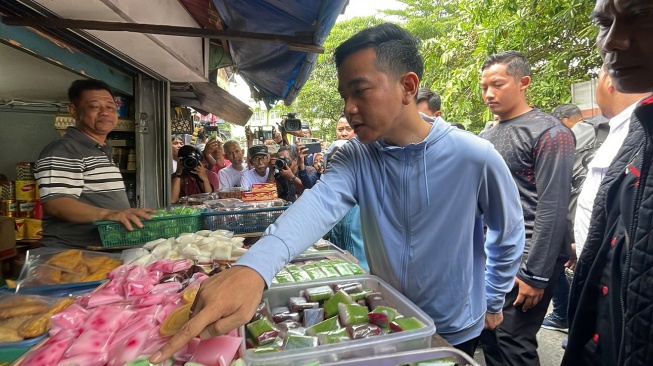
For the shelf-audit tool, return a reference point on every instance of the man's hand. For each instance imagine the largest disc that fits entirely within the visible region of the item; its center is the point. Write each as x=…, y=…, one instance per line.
x=287, y=173
x=211, y=146
x=571, y=263
x=528, y=296
x=301, y=153
x=492, y=321
x=249, y=134
x=130, y=216
x=225, y=301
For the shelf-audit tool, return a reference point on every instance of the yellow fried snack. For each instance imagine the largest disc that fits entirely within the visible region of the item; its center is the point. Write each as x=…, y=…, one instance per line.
x=22, y=310
x=189, y=294
x=68, y=259
x=9, y=335
x=175, y=320
x=20, y=301
x=41, y=324
x=82, y=269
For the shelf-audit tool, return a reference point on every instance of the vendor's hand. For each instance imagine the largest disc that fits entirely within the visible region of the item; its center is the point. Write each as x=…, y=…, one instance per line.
x=287, y=173
x=224, y=302
x=528, y=296
x=492, y=321
x=130, y=216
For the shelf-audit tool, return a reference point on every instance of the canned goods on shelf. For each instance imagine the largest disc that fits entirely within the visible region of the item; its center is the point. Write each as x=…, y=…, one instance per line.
x=8, y=208
x=25, y=170
x=25, y=208
x=8, y=190
x=20, y=229
x=25, y=190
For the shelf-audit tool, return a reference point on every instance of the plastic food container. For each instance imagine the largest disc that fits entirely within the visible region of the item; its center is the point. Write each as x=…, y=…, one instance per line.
x=414, y=356
x=113, y=233
x=336, y=353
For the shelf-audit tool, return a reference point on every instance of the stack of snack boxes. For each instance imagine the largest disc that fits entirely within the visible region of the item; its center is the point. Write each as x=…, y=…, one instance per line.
x=260, y=192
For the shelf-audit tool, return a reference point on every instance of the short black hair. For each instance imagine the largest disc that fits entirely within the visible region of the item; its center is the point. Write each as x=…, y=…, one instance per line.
x=79, y=86
x=432, y=99
x=517, y=64
x=397, y=51
x=566, y=111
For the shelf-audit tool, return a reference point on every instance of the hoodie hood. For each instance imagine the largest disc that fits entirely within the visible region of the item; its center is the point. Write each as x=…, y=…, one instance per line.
x=438, y=130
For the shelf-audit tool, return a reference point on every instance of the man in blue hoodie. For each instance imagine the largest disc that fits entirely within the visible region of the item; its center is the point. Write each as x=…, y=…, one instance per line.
x=423, y=189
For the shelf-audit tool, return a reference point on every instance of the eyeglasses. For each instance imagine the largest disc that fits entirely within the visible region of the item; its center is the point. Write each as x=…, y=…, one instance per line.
x=258, y=159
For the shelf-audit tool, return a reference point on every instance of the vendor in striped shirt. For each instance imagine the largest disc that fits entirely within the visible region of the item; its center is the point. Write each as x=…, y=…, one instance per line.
x=78, y=181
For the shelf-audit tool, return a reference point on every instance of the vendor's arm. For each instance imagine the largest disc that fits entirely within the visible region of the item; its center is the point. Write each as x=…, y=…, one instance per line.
x=72, y=210
x=504, y=243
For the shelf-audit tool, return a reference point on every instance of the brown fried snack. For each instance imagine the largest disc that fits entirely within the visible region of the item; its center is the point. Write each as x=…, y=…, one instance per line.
x=9, y=335
x=41, y=324
x=67, y=260
x=46, y=275
x=20, y=301
x=22, y=310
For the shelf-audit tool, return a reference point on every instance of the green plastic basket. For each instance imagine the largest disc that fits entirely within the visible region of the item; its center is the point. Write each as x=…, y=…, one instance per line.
x=244, y=221
x=114, y=234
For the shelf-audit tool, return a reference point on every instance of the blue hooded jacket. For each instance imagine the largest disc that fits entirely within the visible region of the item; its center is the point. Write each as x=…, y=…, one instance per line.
x=422, y=209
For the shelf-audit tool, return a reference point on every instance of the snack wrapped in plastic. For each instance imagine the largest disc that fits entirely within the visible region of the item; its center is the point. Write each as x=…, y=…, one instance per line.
x=27, y=316
x=50, y=266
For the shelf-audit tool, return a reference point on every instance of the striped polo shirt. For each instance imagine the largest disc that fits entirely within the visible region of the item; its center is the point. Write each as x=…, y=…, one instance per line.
x=76, y=166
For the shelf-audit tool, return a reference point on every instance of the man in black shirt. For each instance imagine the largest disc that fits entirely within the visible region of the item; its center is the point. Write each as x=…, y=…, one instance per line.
x=539, y=151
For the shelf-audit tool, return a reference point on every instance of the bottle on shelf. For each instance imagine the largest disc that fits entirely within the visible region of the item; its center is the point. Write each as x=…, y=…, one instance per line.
x=131, y=160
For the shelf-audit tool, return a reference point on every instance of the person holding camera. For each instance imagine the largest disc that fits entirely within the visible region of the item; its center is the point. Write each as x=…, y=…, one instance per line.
x=259, y=158
x=289, y=186
x=191, y=177
x=307, y=175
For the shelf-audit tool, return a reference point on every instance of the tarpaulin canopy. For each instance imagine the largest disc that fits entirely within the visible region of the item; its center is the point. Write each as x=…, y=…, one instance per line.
x=272, y=70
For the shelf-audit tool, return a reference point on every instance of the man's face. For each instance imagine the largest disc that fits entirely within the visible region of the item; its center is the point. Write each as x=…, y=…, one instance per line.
x=218, y=152
x=260, y=163
x=502, y=92
x=423, y=107
x=373, y=100
x=234, y=154
x=344, y=130
x=95, y=112
x=306, y=132
x=293, y=163
x=625, y=44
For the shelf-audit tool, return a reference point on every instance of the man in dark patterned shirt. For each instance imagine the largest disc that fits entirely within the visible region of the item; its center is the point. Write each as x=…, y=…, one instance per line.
x=539, y=151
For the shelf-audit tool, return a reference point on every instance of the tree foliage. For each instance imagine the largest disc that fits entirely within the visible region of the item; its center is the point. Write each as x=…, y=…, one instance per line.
x=457, y=35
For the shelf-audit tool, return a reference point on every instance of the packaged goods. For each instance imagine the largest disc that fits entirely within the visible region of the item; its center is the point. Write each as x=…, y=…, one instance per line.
x=27, y=316
x=25, y=190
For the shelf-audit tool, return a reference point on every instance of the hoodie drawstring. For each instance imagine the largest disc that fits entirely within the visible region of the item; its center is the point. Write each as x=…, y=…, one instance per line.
x=426, y=178
x=383, y=178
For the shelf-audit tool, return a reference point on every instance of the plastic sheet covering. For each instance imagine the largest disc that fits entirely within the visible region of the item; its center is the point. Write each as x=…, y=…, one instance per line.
x=273, y=70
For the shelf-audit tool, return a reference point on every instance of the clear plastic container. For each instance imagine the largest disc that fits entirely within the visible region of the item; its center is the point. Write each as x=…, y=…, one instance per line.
x=397, y=359
x=333, y=353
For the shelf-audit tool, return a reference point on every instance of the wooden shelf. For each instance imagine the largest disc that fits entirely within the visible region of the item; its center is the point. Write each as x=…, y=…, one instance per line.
x=125, y=171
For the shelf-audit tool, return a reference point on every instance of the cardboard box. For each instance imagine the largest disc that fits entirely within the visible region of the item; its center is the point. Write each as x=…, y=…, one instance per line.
x=7, y=237
x=259, y=196
x=257, y=187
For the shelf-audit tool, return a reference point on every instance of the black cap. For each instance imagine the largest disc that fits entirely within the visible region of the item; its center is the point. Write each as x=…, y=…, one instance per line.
x=258, y=150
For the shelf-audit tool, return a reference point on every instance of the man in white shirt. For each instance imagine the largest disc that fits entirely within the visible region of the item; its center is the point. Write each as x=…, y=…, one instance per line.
x=230, y=176
x=261, y=172
x=618, y=107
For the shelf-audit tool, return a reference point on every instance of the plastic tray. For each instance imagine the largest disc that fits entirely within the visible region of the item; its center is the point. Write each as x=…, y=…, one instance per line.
x=244, y=221
x=114, y=233
x=62, y=290
x=11, y=351
x=413, y=356
x=332, y=353
x=320, y=255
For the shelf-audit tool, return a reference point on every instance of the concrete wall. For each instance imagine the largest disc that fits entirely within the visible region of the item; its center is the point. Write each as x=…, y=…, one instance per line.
x=22, y=137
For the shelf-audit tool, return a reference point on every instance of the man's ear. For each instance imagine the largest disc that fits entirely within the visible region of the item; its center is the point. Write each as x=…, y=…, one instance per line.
x=437, y=114
x=610, y=86
x=72, y=110
x=409, y=84
x=524, y=82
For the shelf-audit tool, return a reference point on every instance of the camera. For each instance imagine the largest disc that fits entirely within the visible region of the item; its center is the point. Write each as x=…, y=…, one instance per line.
x=291, y=123
x=190, y=157
x=282, y=162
